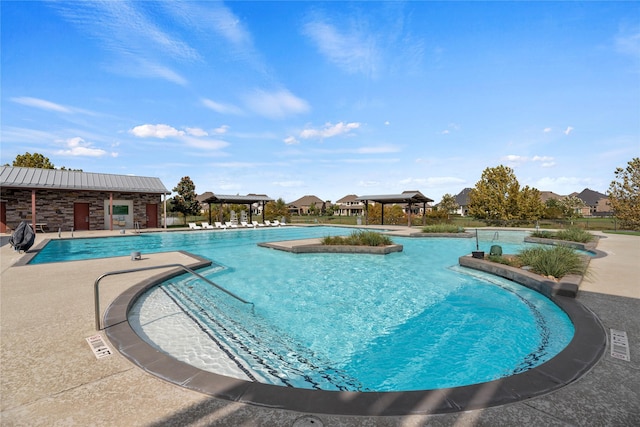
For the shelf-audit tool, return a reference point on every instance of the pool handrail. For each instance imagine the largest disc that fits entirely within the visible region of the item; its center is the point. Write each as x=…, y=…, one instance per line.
x=96, y=285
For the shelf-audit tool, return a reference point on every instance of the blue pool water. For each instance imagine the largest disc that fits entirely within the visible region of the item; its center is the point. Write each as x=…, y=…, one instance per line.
x=405, y=321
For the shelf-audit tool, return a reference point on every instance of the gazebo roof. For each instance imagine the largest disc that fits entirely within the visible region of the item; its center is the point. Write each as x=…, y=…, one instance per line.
x=237, y=199
x=405, y=197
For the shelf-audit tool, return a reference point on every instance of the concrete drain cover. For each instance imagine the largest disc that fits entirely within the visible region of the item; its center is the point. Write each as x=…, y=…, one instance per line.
x=308, y=421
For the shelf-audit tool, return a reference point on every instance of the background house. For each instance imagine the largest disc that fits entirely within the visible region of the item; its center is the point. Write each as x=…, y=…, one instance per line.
x=462, y=199
x=348, y=206
x=62, y=199
x=304, y=203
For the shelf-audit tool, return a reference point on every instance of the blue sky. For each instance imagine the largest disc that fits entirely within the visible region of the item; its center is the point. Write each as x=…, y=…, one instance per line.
x=326, y=98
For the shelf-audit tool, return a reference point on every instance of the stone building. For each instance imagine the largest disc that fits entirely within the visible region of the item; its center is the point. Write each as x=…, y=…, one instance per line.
x=53, y=199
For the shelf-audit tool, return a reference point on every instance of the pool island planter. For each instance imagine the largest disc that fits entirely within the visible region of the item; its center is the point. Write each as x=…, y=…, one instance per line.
x=304, y=247
x=567, y=286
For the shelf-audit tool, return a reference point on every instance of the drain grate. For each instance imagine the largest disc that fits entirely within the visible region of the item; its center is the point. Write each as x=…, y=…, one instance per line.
x=620, y=345
x=308, y=421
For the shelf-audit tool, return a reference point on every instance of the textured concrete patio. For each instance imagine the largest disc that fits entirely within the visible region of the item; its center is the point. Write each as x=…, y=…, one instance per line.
x=50, y=376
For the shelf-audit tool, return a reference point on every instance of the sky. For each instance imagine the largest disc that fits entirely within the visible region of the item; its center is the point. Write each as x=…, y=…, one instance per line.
x=294, y=98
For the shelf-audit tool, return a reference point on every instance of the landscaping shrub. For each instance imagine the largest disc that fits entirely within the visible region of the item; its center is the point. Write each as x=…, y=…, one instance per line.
x=359, y=238
x=570, y=234
x=442, y=228
x=556, y=261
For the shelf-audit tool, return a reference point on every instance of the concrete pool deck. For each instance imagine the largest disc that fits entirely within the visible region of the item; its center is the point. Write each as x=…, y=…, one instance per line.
x=51, y=377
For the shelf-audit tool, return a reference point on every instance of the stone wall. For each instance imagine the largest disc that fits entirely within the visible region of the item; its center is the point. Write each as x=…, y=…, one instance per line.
x=55, y=207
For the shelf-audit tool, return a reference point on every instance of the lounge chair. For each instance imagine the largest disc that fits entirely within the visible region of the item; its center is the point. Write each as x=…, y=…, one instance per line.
x=193, y=226
x=207, y=225
x=257, y=224
x=247, y=225
x=229, y=224
x=267, y=223
x=218, y=224
x=275, y=223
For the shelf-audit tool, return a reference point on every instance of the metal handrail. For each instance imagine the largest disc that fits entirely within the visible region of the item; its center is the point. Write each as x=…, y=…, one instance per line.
x=96, y=285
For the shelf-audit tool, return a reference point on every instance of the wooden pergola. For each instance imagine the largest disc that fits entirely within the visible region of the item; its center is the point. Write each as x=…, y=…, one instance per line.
x=248, y=200
x=409, y=198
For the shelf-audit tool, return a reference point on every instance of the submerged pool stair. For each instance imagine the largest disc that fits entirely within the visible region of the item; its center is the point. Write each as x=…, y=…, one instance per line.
x=257, y=348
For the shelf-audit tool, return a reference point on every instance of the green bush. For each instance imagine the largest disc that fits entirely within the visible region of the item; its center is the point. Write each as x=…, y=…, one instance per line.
x=359, y=238
x=556, y=261
x=442, y=228
x=570, y=234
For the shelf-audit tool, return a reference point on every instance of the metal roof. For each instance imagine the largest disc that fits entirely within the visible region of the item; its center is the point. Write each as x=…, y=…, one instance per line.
x=56, y=179
x=241, y=200
x=405, y=197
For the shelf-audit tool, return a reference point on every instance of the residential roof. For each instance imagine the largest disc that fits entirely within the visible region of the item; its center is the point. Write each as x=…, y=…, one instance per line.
x=590, y=197
x=405, y=197
x=57, y=179
x=348, y=198
x=306, y=201
x=462, y=198
x=547, y=195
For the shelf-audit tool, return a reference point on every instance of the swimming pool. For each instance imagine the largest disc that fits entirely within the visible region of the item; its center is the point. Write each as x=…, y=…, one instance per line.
x=405, y=321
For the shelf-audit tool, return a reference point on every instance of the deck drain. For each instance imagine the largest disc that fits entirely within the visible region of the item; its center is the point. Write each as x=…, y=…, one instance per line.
x=308, y=421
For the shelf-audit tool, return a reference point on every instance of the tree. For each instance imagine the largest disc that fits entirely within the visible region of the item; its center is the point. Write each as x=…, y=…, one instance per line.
x=571, y=206
x=35, y=160
x=495, y=197
x=277, y=210
x=448, y=204
x=624, y=194
x=185, y=201
x=530, y=204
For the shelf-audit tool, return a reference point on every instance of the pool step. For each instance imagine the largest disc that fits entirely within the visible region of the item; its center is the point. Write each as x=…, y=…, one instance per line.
x=266, y=351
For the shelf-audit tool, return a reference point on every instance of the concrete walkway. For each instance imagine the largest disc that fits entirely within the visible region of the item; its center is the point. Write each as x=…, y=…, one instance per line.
x=49, y=375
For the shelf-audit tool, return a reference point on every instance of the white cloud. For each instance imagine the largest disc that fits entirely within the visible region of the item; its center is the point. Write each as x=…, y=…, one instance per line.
x=41, y=103
x=196, y=132
x=288, y=184
x=515, y=160
x=290, y=140
x=547, y=130
x=156, y=131
x=568, y=130
x=275, y=105
x=221, y=130
x=221, y=108
x=382, y=149
x=329, y=130
x=207, y=144
x=81, y=148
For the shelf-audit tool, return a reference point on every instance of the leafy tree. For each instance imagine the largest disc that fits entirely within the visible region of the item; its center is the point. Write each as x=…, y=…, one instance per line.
x=185, y=201
x=392, y=214
x=624, y=194
x=572, y=207
x=277, y=210
x=553, y=209
x=530, y=204
x=35, y=160
x=313, y=209
x=495, y=197
x=448, y=204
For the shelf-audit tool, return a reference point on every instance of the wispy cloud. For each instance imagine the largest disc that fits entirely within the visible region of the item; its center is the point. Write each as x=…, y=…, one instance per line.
x=628, y=42
x=193, y=137
x=221, y=107
x=127, y=29
x=78, y=147
x=329, y=130
x=275, y=105
x=41, y=104
x=568, y=130
x=350, y=49
x=515, y=160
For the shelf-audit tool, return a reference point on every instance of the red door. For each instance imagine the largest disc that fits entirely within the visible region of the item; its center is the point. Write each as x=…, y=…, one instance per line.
x=3, y=217
x=81, y=216
x=152, y=215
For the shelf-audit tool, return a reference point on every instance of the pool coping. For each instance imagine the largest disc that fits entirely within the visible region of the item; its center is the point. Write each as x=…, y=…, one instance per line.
x=585, y=349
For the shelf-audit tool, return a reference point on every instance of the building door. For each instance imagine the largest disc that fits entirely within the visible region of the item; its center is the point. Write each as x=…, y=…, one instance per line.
x=152, y=215
x=3, y=217
x=81, y=216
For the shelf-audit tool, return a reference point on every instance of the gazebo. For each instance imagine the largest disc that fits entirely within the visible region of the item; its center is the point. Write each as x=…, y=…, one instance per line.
x=248, y=200
x=407, y=197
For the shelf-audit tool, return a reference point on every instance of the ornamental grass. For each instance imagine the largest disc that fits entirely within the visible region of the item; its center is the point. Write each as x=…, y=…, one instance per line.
x=359, y=238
